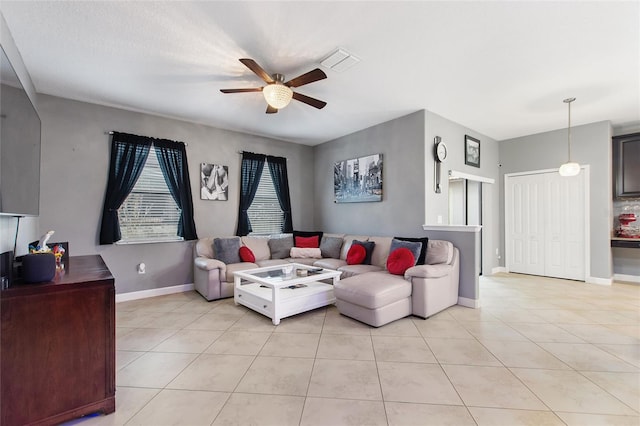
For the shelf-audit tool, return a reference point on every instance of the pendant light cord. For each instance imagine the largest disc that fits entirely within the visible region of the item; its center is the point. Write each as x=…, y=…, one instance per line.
x=568, y=101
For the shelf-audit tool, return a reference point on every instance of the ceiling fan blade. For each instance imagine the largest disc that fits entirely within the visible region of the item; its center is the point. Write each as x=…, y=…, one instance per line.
x=252, y=89
x=309, y=100
x=257, y=69
x=271, y=110
x=307, y=78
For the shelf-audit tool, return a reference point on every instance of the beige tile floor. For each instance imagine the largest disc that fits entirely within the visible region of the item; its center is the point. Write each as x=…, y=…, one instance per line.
x=540, y=351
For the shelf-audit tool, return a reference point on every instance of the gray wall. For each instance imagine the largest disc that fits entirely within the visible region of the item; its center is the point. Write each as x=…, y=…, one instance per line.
x=452, y=135
x=591, y=144
x=401, y=141
x=75, y=152
x=28, y=227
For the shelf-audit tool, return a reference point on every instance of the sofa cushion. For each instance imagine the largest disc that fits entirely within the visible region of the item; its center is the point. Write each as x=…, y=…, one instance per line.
x=414, y=247
x=246, y=255
x=227, y=250
x=348, y=240
x=204, y=248
x=380, y=251
x=423, y=250
x=368, y=246
x=372, y=290
x=309, y=261
x=271, y=262
x=330, y=246
x=307, y=242
x=305, y=253
x=357, y=254
x=330, y=263
x=400, y=260
x=280, y=247
x=235, y=267
x=439, y=251
x=259, y=246
x=351, y=270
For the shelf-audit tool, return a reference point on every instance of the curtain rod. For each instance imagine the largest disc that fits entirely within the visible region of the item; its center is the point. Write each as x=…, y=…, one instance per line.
x=242, y=152
x=110, y=132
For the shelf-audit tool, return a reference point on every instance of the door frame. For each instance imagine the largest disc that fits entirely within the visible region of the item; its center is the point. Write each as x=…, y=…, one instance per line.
x=584, y=168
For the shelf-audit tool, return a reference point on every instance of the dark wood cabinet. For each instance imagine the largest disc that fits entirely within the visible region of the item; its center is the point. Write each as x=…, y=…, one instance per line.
x=57, y=353
x=626, y=166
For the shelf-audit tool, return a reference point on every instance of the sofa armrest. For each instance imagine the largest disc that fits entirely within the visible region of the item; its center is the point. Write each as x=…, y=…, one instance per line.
x=207, y=264
x=429, y=271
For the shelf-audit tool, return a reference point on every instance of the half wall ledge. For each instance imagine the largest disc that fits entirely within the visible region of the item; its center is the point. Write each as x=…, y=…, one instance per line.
x=467, y=239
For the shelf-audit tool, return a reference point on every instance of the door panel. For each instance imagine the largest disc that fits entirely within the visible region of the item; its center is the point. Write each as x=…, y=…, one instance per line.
x=546, y=229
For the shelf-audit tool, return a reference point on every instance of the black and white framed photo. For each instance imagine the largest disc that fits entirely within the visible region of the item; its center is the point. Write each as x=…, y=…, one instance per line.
x=471, y=151
x=358, y=180
x=214, y=182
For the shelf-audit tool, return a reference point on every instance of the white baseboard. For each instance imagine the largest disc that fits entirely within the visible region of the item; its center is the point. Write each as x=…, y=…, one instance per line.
x=626, y=278
x=143, y=294
x=498, y=270
x=599, y=281
x=469, y=303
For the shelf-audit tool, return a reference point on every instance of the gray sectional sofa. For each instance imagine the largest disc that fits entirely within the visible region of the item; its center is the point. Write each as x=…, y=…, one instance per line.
x=366, y=292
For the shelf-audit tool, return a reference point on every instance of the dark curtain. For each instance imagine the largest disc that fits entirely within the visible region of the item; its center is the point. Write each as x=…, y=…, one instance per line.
x=250, y=173
x=278, y=170
x=172, y=157
x=128, y=156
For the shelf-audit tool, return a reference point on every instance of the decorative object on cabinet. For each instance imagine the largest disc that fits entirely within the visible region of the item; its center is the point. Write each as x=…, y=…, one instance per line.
x=626, y=165
x=471, y=151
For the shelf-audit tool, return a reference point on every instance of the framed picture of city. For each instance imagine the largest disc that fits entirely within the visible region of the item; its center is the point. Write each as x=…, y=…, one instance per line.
x=358, y=180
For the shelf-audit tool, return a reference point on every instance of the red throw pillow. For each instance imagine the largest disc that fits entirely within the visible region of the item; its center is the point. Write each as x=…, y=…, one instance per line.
x=356, y=254
x=308, y=242
x=400, y=260
x=246, y=255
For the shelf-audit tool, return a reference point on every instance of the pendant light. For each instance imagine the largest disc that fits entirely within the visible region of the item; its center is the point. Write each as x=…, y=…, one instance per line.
x=569, y=168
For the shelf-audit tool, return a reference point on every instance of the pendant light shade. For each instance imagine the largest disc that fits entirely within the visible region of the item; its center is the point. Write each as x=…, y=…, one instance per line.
x=569, y=168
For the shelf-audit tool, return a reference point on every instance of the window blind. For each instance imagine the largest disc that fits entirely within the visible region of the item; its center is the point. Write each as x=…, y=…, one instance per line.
x=149, y=213
x=265, y=213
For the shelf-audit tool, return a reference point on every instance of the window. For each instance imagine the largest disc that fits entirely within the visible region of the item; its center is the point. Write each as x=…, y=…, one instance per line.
x=149, y=213
x=265, y=213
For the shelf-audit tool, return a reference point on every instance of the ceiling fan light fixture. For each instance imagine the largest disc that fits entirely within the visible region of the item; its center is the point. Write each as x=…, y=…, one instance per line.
x=277, y=95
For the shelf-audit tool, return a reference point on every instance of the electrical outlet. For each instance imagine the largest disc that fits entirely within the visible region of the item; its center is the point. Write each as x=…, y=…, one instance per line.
x=142, y=268
x=439, y=219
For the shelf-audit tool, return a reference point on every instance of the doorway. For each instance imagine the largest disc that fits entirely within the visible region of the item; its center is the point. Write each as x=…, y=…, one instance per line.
x=465, y=205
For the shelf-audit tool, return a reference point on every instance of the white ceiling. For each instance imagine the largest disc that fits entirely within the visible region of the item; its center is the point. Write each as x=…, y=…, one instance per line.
x=500, y=68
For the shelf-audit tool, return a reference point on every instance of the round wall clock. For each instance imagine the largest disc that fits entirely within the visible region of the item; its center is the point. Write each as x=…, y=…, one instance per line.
x=441, y=151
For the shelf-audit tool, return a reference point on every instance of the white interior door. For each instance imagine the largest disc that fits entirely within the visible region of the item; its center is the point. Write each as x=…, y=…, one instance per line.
x=564, y=229
x=545, y=225
x=525, y=224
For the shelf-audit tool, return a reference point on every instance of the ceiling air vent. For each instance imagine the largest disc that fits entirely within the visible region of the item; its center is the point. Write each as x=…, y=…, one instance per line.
x=340, y=60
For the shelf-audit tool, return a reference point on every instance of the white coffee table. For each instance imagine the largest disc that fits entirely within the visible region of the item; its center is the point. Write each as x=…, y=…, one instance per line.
x=277, y=294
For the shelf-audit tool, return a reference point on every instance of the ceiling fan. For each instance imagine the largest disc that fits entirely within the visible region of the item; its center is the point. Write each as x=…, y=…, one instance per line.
x=277, y=92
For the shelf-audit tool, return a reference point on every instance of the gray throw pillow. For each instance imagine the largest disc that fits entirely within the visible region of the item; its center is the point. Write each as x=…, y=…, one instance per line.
x=414, y=247
x=280, y=247
x=330, y=247
x=227, y=250
x=423, y=251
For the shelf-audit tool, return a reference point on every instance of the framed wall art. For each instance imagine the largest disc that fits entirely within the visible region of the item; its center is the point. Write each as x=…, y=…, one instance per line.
x=471, y=151
x=214, y=182
x=358, y=180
